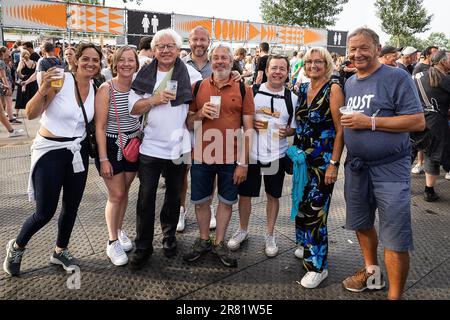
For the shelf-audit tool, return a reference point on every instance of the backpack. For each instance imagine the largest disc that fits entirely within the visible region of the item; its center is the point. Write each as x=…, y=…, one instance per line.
x=287, y=99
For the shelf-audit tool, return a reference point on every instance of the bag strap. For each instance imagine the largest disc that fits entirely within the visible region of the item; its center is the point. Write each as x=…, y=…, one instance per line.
x=289, y=105
x=80, y=102
x=424, y=95
x=117, y=114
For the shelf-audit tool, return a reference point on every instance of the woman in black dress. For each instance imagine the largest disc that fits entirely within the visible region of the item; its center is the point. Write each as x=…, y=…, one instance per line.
x=26, y=89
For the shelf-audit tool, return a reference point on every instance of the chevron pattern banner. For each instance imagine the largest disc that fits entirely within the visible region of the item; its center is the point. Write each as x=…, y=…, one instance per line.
x=96, y=19
x=33, y=14
x=184, y=24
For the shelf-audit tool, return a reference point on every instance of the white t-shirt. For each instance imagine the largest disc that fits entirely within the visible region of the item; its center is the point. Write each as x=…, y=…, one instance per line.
x=267, y=146
x=166, y=135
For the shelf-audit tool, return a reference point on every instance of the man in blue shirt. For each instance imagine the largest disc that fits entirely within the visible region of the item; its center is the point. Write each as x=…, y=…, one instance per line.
x=386, y=107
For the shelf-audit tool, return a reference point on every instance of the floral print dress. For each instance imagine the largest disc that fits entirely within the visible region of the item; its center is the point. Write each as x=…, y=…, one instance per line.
x=315, y=135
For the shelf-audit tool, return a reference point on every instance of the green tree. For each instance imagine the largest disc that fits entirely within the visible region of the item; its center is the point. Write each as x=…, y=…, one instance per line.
x=400, y=18
x=314, y=14
x=437, y=39
x=405, y=41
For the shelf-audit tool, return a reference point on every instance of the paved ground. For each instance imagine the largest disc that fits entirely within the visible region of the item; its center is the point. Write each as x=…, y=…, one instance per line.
x=257, y=276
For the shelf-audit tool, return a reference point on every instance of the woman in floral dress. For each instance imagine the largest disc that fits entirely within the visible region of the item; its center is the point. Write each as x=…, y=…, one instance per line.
x=320, y=136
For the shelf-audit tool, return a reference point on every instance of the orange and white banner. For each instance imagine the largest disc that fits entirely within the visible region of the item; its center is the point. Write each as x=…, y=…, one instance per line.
x=183, y=24
x=33, y=14
x=96, y=19
x=230, y=30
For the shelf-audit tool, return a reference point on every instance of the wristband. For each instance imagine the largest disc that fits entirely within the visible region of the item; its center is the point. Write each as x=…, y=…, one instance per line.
x=104, y=159
x=372, y=118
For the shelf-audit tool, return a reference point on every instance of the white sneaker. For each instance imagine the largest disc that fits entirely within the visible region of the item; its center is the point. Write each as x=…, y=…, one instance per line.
x=116, y=254
x=312, y=279
x=181, y=220
x=213, y=221
x=299, y=252
x=271, y=246
x=124, y=241
x=447, y=176
x=238, y=237
x=16, y=133
x=418, y=169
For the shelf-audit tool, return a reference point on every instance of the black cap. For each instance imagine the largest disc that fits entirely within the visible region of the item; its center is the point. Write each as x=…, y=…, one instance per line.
x=388, y=49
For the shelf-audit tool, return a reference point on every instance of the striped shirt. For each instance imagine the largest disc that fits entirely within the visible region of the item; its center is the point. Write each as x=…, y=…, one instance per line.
x=128, y=124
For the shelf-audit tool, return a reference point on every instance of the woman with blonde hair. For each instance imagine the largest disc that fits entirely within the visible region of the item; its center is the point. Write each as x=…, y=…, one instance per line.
x=319, y=135
x=27, y=87
x=114, y=129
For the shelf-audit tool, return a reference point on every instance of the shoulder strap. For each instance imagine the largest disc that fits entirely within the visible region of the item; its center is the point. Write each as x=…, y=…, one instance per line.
x=242, y=88
x=289, y=106
x=423, y=94
x=197, y=87
x=80, y=101
x=111, y=88
x=255, y=88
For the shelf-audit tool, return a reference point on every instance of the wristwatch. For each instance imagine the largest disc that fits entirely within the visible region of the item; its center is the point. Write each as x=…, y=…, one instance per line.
x=335, y=163
x=243, y=165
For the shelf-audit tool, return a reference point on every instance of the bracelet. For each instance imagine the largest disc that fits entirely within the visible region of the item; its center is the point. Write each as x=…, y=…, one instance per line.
x=372, y=118
x=243, y=165
x=39, y=91
x=103, y=159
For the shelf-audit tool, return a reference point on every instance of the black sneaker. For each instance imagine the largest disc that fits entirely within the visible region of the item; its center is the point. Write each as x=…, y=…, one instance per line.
x=430, y=196
x=199, y=248
x=170, y=247
x=15, y=121
x=224, y=254
x=65, y=259
x=13, y=259
x=139, y=258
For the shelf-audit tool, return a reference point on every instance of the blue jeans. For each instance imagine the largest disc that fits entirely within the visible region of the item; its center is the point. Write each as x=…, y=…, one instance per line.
x=202, y=183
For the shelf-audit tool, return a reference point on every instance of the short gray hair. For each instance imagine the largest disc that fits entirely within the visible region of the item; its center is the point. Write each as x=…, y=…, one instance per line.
x=366, y=32
x=167, y=33
x=217, y=46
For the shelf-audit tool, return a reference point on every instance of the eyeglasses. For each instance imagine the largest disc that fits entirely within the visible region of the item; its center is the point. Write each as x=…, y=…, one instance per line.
x=170, y=46
x=316, y=62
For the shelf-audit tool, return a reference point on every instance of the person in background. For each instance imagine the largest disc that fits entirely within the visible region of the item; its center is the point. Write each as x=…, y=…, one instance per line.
x=26, y=89
x=389, y=55
x=69, y=59
x=436, y=85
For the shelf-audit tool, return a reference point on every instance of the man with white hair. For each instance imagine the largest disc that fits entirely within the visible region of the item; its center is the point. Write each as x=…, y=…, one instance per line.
x=166, y=141
x=226, y=156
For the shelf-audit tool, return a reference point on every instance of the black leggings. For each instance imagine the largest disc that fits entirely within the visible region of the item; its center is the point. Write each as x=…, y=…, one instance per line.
x=52, y=172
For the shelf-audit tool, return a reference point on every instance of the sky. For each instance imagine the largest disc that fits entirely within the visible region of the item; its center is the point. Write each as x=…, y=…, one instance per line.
x=356, y=13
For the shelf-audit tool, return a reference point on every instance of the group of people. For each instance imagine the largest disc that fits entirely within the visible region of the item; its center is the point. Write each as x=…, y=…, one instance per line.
x=229, y=146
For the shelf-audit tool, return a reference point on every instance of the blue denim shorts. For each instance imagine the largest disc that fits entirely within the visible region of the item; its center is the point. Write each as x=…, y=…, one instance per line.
x=202, y=183
x=393, y=201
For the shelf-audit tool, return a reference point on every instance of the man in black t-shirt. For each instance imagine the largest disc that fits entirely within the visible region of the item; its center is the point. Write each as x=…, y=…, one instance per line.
x=262, y=63
x=425, y=64
x=33, y=55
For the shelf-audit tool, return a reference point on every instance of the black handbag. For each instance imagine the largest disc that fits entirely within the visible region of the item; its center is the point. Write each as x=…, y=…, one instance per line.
x=90, y=126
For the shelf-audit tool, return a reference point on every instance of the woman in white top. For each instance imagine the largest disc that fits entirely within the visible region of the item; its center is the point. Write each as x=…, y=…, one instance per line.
x=59, y=158
x=111, y=110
